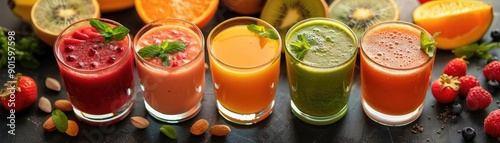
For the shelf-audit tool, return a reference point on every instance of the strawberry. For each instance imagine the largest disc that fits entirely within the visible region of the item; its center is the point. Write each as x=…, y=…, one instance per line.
x=492, y=71
x=71, y=41
x=80, y=35
x=456, y=67
x=466, y=83
x=445, y=88
x=478, y=98
x=25, y=94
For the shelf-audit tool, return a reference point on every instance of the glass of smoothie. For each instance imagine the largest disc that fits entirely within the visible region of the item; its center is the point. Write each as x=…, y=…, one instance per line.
x=170, y=60
x=320, y=58
x=245, y=67
x=98, y=74
x=395, y=73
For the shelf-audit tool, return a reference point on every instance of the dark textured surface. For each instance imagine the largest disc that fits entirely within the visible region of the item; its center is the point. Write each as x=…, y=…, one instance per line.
x=281, y=126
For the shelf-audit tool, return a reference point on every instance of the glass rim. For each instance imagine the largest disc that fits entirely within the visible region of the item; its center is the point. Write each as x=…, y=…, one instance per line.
x=400, y=23
x=350, y=32
x=209, y=40
x=57, y=52
x=148, y=27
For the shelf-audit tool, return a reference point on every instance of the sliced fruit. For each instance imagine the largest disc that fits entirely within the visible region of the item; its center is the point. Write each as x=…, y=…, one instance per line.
x=460, y=22
x=283, y=14
x=199, y=12
x=50, y=17
x=114, y=5
x=22, y=8
x=361, y=14
x=245, y=7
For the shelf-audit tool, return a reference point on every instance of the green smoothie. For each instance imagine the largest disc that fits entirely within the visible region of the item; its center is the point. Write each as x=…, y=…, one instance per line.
x=320, y=77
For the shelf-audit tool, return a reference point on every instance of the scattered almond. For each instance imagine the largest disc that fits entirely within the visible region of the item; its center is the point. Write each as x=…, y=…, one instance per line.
x=220, y=130
x=63, y=105
x=199, y=127
x=53, y=84
x=49, y=125
x=44, y=105
x=139, y=122
x=72, y=129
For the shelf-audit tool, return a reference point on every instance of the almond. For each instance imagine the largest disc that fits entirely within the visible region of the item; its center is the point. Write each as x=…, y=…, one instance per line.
x=63, y=105
x=72, y=129
x=53, y=84
x=49, y=125
x=44, y=105
x=139, y=122
x=199, y=127
x=220, y=130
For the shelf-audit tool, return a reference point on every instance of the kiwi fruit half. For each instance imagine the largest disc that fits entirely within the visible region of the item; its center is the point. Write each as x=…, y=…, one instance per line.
x=283, y=14
x=50, y=17
x=361, y=14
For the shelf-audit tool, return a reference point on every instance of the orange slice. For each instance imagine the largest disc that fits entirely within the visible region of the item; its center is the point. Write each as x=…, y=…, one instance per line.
x=199, y=12
x=460, y=22
x=114, y=5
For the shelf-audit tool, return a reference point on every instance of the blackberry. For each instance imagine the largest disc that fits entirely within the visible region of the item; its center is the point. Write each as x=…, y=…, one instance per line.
x=468, y=133
x=456, y=109
x=495, y=34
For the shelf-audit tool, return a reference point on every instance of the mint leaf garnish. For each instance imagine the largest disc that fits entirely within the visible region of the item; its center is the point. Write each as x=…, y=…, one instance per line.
x=162, y=50
x=300, y=46
x=169, y=131
x=117, y=33
x=428, y=45
x=480, y=50
x=60, y=120
x=269, y=33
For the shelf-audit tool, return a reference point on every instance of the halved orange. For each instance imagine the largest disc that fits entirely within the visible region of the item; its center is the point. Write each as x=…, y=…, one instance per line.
x=460, y=22
x=114, y=5
x=199, y=12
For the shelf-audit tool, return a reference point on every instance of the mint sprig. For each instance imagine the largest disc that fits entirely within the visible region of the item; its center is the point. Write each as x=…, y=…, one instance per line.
x=60, y=120
x=169, y=131
x=109, y=34
x=162, y=50
x=475, y=49
x=269, y=33
x=428, y=45
x=300, y=46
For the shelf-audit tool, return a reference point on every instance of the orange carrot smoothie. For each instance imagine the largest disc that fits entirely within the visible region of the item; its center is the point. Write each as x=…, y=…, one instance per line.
x=245, y=70
x=172, y=93
x=395, y=73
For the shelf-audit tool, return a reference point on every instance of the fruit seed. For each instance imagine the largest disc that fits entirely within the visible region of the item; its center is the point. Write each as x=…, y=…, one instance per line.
x=63, y=105
x=44, y=105
x=53, y=84
x=199, y=127
x=139, y=122
x=49, y=125
x=220, y=130
x=72, y=129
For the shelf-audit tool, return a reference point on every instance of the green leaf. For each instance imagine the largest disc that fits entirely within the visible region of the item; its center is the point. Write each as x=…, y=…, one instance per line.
x=300, y=46
x=101, y=27
x=164, y=60
x=256, y=28
x=4, y=49
x=119, y=33
x=272, y=34
x=262, y=32
x=169, y=131
x=475, y=49
x=149, y=51
x=175, y=46
x=428, y=45
x=60, y=120
x=466, y=51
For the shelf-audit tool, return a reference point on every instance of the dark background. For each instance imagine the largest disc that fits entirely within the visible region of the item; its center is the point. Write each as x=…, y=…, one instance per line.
x=281, y=126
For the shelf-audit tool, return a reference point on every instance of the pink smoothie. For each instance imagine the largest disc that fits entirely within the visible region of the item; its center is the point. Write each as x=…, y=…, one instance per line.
x=98, y=77
x=179, y=87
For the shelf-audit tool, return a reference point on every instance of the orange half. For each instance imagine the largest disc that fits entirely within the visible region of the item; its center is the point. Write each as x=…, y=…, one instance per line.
x=199, y=12
x=460, y=22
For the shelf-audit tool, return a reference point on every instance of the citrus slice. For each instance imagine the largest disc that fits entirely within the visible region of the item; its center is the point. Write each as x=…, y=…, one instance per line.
x=50, y=17
x=460, y=22
x=114, y=5
x=199, y=12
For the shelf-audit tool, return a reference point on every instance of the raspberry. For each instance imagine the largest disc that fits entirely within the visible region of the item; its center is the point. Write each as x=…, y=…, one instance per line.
x=492, y=71
x=478, y=98
x=492, y=123
x=466, y=83
x=456, y=67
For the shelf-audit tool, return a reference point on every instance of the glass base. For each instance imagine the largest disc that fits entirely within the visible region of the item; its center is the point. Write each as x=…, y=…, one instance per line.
x=316, y=120
x=245, y=119
x=176, y=118
x=391, y=120
x=105, y=119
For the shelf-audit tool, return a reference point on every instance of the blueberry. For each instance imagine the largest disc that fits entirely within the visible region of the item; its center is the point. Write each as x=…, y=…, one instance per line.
x=492, y=85
x=456, y=109
x=468, y=133
x=494, y=58
x=495, y=34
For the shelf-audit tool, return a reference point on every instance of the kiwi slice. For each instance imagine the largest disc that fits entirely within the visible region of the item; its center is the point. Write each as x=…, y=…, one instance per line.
x=283, y=14
x=50, y=17
x=361, y=14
